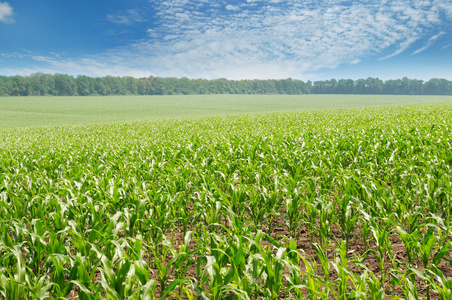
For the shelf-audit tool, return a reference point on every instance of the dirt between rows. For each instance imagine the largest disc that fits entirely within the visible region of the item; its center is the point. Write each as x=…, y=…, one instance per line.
x=357, y=248
x=279, y=232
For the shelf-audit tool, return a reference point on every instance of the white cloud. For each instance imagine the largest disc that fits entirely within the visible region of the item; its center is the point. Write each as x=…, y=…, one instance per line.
x=55, y=63
x=232, y=7
x=429, y=43
x=127, y=17
x=264, y=39
x=401, y=48
x=285, y=36
x=6, y=12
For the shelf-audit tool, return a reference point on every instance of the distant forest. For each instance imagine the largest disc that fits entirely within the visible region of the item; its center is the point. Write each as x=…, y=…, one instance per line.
x=39, y=84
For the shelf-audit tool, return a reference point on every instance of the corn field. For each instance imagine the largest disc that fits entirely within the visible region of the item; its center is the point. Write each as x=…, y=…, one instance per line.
x=336, y=204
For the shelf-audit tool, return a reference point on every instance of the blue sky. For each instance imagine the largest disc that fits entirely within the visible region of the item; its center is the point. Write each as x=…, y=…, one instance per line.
x=234, y=39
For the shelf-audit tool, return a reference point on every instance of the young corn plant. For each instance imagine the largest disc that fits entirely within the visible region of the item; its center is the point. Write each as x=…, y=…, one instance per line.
x=293, y=206
x=383, y=248
x=410, y=241
x=273, y=268
x=295, y=285
x=38, y=287
x=163, y=269
x=38, y=245
x=365, y=228
x=182, y=260
x=324, y=262
x=360, y=285
x=341, y=267
x=425, y=250
x=409, y=287
x=241, y=276
x=85, y=271
x=12, y=283
x=216, y=286
x=186, y=218
x=443, y=285
x=326, y=215
x=375, y=288
x=273, y=201
x=314, y=285
x=310, y=219
x=60, y=273
x=134, y=218
x=176, y=266
x=256, y=211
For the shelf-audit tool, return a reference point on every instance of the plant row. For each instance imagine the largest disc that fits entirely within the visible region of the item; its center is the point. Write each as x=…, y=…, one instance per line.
x=342, y=204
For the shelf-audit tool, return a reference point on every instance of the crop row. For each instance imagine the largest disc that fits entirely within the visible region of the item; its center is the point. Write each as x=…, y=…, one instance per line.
x=324, y=204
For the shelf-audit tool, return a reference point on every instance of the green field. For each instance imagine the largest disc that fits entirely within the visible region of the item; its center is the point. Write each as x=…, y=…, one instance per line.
x=43, y=111
x=351, y=203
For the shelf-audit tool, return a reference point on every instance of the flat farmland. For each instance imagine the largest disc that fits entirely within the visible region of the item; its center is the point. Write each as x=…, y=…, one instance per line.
x=44, y=111
x=344, y=203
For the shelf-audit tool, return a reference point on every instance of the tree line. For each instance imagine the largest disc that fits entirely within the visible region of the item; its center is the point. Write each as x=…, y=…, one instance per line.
x=40, y=84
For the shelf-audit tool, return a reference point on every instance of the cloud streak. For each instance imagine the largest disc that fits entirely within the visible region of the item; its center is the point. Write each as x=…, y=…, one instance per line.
x=128, y=17
x=430, y=42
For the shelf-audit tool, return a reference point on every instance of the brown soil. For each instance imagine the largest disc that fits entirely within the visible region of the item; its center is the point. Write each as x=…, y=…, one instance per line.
x=357, y=248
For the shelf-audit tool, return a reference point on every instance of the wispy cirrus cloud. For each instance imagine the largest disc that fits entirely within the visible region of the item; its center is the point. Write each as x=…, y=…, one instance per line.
x=51, y=63
x=266, y=38
x=6, y=12
x=128, y=17
x=430, y=42
x=261, y=39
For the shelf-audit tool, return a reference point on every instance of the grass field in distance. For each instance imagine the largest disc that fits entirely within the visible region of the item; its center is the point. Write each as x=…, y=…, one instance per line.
x=44, y=111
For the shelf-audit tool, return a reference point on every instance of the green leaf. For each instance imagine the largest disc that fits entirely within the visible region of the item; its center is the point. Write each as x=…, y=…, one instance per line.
x=441, y=253
x=171, y=287
x=272, y=241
